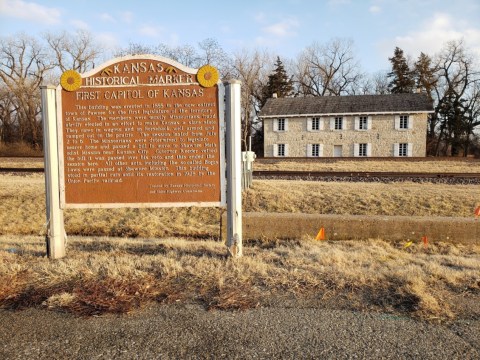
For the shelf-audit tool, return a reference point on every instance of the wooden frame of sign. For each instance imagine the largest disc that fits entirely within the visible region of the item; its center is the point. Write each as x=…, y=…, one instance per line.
x=141, y=131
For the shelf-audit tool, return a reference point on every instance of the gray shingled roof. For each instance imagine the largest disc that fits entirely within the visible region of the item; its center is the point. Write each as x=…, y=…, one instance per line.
x=369, y=104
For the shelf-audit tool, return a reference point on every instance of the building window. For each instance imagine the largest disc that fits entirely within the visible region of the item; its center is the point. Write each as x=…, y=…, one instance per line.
x=403, y=122
x=363, y=123
x=338, y=123
x=402, y=149
x=280, y=125
x=316, y=123
x=281, y=150
x=362, y=149
x=315, y=150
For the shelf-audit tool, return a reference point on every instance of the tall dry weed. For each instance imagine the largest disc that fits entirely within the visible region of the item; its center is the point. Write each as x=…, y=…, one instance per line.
x=104, y=275
x=19, y=149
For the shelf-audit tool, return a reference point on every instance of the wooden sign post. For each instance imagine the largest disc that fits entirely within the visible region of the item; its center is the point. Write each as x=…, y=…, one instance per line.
x=234, y=169
x=55, y=225
x=138, y=131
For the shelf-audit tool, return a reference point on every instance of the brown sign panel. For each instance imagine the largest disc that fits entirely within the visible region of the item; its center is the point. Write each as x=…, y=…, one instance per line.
x=141, y=131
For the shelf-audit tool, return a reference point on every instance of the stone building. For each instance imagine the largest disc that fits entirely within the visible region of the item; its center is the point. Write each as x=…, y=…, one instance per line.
x=346, y=126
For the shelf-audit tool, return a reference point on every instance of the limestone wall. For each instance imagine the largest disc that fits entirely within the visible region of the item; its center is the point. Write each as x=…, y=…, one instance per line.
x=382, y=136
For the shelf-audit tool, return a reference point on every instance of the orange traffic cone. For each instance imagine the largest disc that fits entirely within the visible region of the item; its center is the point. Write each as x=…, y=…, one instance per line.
x=321, y=234
x=477, y=212
x=425, y=241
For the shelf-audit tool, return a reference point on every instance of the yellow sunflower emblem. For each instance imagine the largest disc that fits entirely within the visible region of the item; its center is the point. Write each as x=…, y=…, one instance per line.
x=207, y=76
x=71, y=80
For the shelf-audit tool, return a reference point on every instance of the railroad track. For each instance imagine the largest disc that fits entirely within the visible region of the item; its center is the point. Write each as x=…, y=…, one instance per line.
x=356, y=176
x=20, y=170
x=363, y=174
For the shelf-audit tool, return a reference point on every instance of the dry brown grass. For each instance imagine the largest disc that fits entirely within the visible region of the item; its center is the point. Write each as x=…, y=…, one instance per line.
x=22, y=211
x=105, y=275
x=329, y=164
x=19, y=149
x=22, y=206
x=325, y=164
x=112, y=275
x=389, y=199
x=23, y=162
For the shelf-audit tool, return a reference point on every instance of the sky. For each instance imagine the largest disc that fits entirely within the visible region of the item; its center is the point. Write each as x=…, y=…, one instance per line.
x=283, y=27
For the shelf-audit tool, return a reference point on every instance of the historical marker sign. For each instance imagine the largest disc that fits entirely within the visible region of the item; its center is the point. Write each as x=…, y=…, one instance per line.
x=141, y=131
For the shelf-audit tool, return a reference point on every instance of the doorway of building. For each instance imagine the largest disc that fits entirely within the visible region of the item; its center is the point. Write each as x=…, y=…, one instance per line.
x=337, y=151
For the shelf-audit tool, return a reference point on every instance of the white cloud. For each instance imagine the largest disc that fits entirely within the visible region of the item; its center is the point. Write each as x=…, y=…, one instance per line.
x=374, y=9
x=259, y=17
x=174, y=39
x=30, y=11
x=338, y=2
x=107, y=17
x=150, y=31
x=107, y=40
x=79, y=24
x=126, y=16
x=283, y=28
x=433, y=34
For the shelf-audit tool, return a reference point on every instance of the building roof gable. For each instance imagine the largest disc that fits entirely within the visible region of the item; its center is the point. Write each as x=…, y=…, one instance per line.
x=354, y=104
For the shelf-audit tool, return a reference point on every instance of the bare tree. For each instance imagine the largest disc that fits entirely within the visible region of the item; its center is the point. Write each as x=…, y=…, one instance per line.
x=212, y=53
x=252, y=68
x=328, y=69
x=23, y=64
x=380, y=81
x=456, y=91
x=136, y=49
x=77, y=52
x=184, y=54
x=7, y=118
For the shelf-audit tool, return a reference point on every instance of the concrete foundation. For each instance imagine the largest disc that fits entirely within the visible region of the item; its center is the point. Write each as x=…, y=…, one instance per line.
x=341, y=227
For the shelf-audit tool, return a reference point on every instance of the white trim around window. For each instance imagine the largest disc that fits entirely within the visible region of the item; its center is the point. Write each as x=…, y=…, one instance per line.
x=314, y=123
x=280, y=150
x=403, y=122
x=280, y=125
x=403, y=149
x=362, y=150
x=337, y=123
x=363, y=123
x=314, y=150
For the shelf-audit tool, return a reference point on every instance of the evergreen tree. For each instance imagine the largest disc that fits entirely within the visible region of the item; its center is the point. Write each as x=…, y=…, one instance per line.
x=278, y=82
x=402, y=78
x=424, y=74
x=426, y=80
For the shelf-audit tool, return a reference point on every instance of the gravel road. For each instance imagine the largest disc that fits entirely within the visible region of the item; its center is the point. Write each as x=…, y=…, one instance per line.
x=189, y=332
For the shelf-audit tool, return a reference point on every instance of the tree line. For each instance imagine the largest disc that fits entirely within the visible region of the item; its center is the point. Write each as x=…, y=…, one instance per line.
x=450, y=78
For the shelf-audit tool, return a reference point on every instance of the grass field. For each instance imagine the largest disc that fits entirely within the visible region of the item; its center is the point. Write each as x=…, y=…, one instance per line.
x=9, y=162
x=323, y=164
x=127, y=258
x=19, y=149
x=332, y=164
x=107, y=275
x=22, y=206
